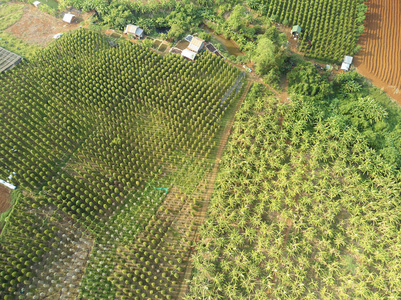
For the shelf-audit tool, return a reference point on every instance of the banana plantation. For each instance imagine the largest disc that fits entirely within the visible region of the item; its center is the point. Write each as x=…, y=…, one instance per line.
x=303, y=209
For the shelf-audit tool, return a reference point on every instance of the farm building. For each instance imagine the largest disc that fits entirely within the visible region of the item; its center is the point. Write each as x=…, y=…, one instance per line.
x=36, y=3
x=68, y=17
x=8, y=59
x=196, y=44
x=188, y=54
x=346, y=63
x=135, y=30
x=296, y=30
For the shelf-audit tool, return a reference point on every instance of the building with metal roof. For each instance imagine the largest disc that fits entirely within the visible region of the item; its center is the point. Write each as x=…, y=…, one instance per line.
x=188, y=54
x=346, y=63
x=135, y=30
x=196, y=44
x=68, y=17
x=8, y=59
x=348, y=59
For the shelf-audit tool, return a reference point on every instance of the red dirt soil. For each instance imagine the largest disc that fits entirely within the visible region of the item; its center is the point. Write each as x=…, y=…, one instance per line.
x=380, y=57
x=37, y=27
x=4, y=198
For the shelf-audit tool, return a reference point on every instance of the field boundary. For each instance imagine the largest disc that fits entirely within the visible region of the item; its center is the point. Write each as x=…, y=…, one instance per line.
x=211, y=182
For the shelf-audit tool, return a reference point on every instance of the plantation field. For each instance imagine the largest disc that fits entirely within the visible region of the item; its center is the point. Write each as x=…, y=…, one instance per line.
x=332, y=27
x=111, y=147
x=303, y=209
x=379, y=59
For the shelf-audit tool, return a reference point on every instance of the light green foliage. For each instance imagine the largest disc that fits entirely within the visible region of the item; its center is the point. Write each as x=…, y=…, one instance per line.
x=264, y=55
x=302, y=209
x=237, y=17
x=9, y=14
x=17, y=46
x=117, y=15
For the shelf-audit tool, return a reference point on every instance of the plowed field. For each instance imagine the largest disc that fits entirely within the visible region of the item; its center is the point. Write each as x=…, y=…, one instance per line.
x=4, y=198
x=380, y=57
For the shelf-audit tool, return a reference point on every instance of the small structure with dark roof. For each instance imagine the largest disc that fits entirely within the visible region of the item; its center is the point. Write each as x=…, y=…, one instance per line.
x=8, y=59
x=134, y=30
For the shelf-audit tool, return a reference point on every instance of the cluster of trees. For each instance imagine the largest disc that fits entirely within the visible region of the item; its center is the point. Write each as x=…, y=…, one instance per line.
x=303, y=209
x=87, y=128
x=178, y=16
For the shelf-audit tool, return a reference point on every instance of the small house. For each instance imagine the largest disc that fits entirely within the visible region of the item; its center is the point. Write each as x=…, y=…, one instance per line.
x=348, y=59
x=296, y=30
x=69, y=18
x=134, y=30
x=196, y=44
x=36, y=3
x=188, y=54
x=8, y=59
x=345, y=66
x=346, y=63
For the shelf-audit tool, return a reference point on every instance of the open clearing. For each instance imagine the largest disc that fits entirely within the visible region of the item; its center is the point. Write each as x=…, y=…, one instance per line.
x=37, y=27
x=4, y=198
x=379, y=59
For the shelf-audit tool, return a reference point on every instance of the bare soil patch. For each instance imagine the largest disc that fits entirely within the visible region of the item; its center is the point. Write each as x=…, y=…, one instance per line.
x=379, y=59
x=37, y=27
x=5, y=200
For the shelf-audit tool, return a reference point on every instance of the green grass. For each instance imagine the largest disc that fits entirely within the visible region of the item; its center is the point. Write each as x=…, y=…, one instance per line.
x=9, y=14
x=11, y=43
x=53, y=4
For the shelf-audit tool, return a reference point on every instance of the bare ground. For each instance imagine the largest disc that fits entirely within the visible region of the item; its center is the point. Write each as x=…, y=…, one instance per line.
x=37, y=27
x=5, y=200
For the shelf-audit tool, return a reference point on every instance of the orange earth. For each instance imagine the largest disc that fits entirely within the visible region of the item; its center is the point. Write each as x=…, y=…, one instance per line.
x=4, y=198
x=380, y=57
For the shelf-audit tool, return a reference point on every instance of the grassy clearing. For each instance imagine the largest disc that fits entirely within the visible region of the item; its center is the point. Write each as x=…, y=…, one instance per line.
x=17, y=46
x=9, y=14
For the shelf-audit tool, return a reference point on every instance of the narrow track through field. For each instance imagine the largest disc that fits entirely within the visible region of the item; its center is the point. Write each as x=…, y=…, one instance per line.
x=212, y=179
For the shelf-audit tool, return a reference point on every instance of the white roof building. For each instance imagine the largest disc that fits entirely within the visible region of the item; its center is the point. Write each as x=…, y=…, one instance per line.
x=348, y=59
x=68, y=17
x=57, y=36
x=346, y=63
x=196, y=44
x=36, y=3
x=188, y=54
x=136, y=30
x=345, y=66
